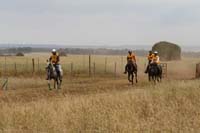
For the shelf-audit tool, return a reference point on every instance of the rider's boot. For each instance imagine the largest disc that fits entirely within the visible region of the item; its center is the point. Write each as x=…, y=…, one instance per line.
x=146, y=71
x=125, y=69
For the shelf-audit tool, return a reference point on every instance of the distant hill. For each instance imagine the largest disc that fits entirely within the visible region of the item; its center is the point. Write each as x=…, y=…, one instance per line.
x=140, y=50
x=189, y=48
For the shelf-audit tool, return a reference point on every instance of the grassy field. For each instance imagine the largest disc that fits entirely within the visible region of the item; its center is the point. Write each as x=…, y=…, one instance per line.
x=103, y=103
x=184, y=69
x=100, y=105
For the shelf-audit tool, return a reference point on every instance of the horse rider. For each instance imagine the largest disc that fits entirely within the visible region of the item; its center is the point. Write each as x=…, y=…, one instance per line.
x=131, y=58
x=54, y=59
x=156, y=61
x=150, y=58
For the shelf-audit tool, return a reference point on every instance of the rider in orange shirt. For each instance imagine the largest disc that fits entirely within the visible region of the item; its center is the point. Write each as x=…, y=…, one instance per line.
x=54, y=59
x=150, y=58
x=130, y=58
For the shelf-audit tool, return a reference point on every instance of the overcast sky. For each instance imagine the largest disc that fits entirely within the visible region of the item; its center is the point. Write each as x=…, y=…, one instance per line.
x=100, y=22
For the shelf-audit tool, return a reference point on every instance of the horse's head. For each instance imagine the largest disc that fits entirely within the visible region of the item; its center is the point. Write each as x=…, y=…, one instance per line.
x=49, y=66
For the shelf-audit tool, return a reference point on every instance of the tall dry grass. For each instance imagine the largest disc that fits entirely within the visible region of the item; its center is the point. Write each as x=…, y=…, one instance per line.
x=101, y=105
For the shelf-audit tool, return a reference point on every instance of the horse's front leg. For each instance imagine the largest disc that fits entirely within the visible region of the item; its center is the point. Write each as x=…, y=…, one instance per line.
x=149, y=77
x=129, y=77
x=49, y=84
x=54, y=84
x=132, y=76
x=60, y=83
x=154, y=79
x=136, y=79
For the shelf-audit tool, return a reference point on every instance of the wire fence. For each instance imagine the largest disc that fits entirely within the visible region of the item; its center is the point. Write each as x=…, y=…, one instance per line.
x=86, y=66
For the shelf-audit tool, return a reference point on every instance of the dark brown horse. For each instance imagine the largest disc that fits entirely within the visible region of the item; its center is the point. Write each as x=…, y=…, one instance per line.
x=155, y=72
x=132, y=72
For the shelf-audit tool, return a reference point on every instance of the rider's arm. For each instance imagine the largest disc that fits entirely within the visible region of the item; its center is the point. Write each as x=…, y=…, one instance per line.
x=158, y=59
x=58, y=59
x=50, y=59
x=134, y=58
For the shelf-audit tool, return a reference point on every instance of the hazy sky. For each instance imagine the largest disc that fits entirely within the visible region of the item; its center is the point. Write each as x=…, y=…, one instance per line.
x=100, y=22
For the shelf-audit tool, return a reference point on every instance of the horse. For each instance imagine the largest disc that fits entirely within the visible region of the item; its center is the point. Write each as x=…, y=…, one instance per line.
x=132, y=71
x=155, y=73
x=53, y=74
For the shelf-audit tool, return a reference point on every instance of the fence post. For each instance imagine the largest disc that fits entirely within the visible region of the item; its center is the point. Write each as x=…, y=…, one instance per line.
x=71, y=69
x=166, y=70
x=89, y=65
x=27, y=65
x=38, y=65
x=33, y=63
x=105, y=65
x=197, y=70
x=94, y=69
x=115, y=70
x=84, y=62
x=5, y=69
x=15, y=67
x=122, y=64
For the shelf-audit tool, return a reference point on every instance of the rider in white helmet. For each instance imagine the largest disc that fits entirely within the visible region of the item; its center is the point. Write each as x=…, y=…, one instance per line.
x=156, y=58
x=156, y=61
x=54, y=59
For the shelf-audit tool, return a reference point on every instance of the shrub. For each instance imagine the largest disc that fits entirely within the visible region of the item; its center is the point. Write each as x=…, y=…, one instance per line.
x=20, y=54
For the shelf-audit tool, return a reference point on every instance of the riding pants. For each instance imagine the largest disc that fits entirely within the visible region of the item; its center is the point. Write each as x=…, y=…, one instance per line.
x=57, y=69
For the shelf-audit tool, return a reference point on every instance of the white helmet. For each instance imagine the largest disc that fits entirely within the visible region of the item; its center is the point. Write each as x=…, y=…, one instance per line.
x=155, y=52
x=53, y=50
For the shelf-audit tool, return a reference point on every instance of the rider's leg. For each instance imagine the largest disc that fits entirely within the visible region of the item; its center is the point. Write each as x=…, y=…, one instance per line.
x=47, y=78
x=126, y=68
x=147, y=69
x=57, y=69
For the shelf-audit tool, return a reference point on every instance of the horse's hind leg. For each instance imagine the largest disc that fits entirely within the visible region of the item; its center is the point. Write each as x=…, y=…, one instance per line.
x=149, y=78
x=49, y=85
x=154, y=79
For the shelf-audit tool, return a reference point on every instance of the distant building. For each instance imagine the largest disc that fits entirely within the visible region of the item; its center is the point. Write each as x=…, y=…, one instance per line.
x=167, y=51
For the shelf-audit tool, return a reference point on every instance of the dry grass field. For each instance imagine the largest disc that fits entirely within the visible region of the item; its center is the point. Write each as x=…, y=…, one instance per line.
x=102, y=103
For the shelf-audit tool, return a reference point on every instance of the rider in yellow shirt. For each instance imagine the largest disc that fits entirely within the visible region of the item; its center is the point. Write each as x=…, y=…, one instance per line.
x=156, y=61
x=54, y=59
x=150, y=58
x=156, y=58
x=130, y=58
